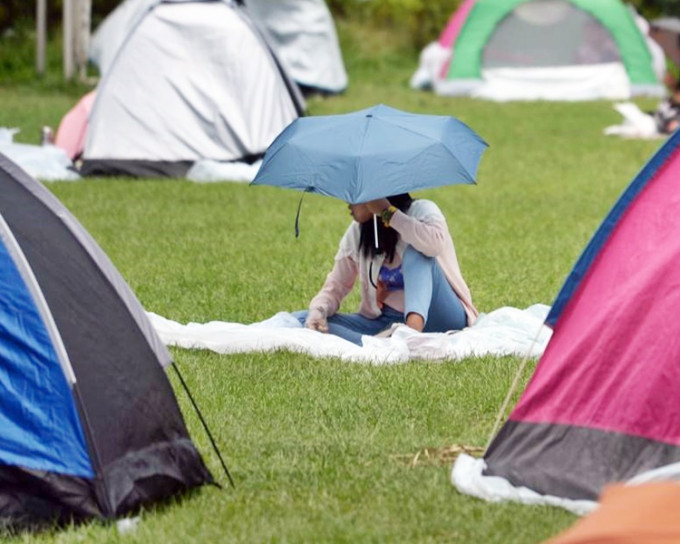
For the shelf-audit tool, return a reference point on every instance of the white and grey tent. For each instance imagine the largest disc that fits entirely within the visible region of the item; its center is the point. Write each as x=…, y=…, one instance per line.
x=185, y=80
x=303, y=34
x=112, y=31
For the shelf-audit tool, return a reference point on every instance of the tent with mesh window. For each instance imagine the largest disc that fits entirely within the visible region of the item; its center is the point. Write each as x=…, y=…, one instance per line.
x=601, y=406
x=89, y=423
x=542, y=50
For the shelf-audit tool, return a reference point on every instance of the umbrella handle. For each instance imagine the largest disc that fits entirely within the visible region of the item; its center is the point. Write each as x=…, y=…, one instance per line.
x=375, y=230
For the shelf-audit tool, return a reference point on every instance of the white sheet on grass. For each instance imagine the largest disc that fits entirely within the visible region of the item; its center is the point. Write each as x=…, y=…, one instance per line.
x=43, y=162
x=206, y=170
x=467, y=477
x=51, y=163
x=636, y=123
x=505, y=331
x=607, y=81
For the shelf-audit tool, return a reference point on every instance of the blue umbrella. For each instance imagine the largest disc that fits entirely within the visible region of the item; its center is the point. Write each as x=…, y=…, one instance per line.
x=371, y=153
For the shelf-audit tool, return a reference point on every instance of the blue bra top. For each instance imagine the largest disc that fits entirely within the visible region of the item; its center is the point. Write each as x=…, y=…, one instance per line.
x=392, y=278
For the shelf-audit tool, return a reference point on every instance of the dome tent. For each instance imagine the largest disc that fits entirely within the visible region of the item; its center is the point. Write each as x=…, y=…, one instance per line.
x=601, y=405
x=302, y=32
x=90, y=424
x=189, y=80
x=541, y=49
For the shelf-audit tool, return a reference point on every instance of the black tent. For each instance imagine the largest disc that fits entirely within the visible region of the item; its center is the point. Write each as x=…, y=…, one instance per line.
x=89, y=424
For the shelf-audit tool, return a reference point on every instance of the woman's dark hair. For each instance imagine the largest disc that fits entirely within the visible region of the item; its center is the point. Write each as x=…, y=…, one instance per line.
x=387, y=238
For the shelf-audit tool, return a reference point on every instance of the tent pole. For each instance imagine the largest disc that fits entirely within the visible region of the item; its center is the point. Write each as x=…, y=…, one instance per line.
x=512, y=390
x=203, y=422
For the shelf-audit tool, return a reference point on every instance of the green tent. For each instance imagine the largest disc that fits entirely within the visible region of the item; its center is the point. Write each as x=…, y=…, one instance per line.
x=562, y=49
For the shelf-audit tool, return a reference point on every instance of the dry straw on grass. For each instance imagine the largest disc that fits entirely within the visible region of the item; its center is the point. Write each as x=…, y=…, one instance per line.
x=436, y=456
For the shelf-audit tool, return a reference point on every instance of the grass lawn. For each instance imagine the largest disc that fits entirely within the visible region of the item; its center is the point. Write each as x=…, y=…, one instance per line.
x=322, y=450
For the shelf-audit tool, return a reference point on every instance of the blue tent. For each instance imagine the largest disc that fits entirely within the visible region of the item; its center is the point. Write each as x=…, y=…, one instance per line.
x=89, y=424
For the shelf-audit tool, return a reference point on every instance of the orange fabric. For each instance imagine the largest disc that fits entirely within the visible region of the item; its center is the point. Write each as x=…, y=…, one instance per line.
x=640, y=514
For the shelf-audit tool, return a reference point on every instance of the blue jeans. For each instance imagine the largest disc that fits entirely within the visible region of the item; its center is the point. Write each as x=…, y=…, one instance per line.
x=426, y=292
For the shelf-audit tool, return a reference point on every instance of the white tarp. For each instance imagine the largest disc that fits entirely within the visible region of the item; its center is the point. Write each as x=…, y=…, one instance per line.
x=565, y=83
x=636, y=123
x=43, y=162
x=205, y=171
x=431, y=62
x=505, y=331
x=467, y=476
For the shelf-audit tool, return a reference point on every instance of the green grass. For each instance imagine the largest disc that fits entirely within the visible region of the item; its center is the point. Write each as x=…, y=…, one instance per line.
x=320, y=449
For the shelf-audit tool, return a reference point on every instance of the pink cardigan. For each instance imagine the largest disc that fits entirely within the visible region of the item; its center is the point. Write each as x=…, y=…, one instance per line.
x=423, y=227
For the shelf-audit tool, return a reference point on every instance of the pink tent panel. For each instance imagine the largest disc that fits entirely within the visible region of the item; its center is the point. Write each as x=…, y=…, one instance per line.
x=450, y=33
x=598, y=368
x=602, y=405
x=452, y=29
x=73, y=126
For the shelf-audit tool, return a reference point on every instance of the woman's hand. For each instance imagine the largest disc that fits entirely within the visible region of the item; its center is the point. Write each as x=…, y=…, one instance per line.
x=378, y=205
x=316, y=320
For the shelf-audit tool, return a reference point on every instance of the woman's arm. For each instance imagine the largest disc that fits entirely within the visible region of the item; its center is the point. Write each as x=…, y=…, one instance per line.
x=426, y=232
x=425, y=235
x=337, y=286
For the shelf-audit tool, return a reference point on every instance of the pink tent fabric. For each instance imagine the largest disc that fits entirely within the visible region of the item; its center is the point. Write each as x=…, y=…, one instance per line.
x=450, y=33
x=602, y=405
x=73, y=127
x=625, y=311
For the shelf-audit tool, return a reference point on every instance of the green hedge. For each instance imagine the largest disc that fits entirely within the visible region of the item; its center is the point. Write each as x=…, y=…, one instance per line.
x=420, y=20
x=423, y=20
x=408, y=23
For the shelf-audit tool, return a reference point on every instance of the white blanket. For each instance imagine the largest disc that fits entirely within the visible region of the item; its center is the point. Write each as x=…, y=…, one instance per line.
x=505, y=331
x=51, y=163
x=636, y=123
x=206, y=170
x=44, y=162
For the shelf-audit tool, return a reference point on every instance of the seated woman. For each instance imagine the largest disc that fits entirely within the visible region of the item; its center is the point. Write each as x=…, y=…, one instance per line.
x=411, y=277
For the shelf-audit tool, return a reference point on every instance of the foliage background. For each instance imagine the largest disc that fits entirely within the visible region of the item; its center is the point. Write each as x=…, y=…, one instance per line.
x=421, y=20
x=410, y=23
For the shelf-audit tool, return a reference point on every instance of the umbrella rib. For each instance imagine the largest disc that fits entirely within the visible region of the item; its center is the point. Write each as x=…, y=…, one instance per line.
x=463, y=168
x=357, y=159
x=434, y=140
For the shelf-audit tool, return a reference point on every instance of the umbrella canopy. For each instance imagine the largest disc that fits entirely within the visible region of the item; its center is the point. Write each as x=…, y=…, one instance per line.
x=371, y=153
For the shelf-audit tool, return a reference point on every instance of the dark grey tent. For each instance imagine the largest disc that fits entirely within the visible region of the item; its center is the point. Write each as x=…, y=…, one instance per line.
x=184, y=81
x=89, y=424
